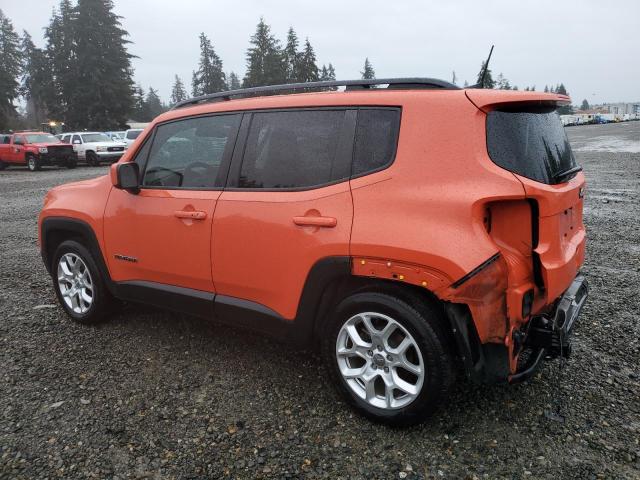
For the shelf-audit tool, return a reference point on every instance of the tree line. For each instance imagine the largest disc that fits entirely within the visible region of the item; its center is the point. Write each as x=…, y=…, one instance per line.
x=83, y=75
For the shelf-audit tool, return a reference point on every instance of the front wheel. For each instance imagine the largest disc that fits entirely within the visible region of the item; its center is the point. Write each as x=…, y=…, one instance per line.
x=33, y=164
x=79, y=285
x=71, y=163
x=3, y=165
x=389, y=359
x=92, y=159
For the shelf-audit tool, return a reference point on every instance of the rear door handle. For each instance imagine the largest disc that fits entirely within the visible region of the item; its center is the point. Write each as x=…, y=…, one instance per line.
x=328, y=222
x=191, y=214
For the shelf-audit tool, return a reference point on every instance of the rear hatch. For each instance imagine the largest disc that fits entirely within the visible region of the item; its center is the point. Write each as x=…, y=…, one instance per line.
x=525, y=136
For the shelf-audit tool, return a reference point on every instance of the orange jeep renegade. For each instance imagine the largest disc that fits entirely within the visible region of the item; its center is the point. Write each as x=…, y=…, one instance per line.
x=410, y=231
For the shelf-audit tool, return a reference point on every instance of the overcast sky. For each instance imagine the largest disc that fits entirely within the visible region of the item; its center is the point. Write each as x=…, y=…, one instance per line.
x=592, y=46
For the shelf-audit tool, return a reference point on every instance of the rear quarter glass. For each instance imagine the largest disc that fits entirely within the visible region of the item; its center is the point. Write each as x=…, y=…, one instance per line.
x=531, y=142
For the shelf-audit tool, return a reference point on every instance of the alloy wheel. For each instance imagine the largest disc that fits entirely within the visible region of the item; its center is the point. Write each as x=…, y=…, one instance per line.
x=75, y=283
x=380, y=360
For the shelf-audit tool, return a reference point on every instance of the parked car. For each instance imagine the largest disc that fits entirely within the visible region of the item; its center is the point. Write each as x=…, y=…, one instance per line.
x=405, y=241
x=35, y=150
x=94, y=147
x=116, y=136
x=131, y=134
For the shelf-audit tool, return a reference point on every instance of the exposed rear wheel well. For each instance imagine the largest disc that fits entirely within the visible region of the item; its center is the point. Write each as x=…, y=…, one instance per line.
x=344, y=287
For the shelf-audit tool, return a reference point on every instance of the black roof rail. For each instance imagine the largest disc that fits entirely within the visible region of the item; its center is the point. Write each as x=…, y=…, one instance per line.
x=392, y=83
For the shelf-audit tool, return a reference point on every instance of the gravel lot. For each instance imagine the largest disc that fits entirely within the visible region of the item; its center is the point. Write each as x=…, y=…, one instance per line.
x=157, y=395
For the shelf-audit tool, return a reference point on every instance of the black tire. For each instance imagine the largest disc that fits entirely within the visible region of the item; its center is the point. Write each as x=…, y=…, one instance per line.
x=71, y=163
x=423, y=322
x=33, y=163
x=3, y=165
x=102, y=301
x=92, y=159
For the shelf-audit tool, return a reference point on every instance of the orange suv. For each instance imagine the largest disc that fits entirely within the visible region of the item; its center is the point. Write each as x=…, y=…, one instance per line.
x=411, y=231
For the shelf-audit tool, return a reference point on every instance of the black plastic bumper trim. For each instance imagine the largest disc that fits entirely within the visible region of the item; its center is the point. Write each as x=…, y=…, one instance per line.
x=476, y=270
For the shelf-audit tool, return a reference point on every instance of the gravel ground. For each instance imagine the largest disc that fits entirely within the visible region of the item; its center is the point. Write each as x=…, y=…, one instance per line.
x=157, y=395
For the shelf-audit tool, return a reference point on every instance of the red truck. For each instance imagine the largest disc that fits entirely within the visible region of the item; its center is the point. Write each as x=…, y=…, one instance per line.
x=35, y=149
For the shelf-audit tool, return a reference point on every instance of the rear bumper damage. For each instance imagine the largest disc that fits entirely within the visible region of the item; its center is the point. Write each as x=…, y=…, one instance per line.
x=549, y=335
x=546, y=335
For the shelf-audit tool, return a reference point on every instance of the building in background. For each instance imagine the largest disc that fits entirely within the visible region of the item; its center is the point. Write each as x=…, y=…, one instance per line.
x=623, y=108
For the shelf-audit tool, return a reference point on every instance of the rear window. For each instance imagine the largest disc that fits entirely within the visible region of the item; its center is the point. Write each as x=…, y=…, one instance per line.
x=133, y=134
x=531, y=142
x=376, y=139
x=295, y=149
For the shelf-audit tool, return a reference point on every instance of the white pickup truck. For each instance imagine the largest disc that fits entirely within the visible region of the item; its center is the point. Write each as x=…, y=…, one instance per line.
x=94, y=147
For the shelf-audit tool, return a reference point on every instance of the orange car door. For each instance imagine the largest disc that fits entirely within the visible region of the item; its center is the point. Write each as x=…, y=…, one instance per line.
x=163, y=233
x=287, y=205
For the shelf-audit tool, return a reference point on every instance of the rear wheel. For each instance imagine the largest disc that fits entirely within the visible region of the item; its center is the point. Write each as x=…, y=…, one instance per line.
x=3, y=165
x=79, y=286
x=92, y=159
x=391, y=362
x=33, y=164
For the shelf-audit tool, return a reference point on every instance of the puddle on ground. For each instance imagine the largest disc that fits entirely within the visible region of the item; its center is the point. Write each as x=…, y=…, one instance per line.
x=608, y=144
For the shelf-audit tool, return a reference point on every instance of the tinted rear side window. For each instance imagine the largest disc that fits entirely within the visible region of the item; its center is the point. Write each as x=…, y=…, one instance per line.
x=531, y=143
x=295, y=149
x=376, y=139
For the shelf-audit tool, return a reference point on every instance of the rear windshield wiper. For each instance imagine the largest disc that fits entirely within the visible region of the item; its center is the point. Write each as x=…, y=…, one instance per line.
x=559, y=176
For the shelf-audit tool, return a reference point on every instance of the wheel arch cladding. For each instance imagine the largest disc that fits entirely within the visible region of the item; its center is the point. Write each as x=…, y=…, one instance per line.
x=55, y=230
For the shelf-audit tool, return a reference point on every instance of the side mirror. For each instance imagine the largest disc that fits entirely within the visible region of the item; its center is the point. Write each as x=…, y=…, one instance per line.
x=126, y=176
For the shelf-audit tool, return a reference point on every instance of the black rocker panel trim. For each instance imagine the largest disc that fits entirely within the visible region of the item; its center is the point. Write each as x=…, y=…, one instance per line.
x=251, y=315
x=178, y=299
x=300, y=331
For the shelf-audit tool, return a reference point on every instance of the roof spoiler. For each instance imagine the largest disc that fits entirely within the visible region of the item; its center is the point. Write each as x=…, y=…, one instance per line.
x=487, y=100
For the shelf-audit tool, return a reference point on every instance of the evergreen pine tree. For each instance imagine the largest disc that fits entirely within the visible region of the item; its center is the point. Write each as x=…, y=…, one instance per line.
x=308, y=71
x=10, y=70
x=466, y=84
x=36, y=81
x=61, y=56
x=331, y=72
x=368, y=73
x=488, y=79
x=195, y=88
x=139, y=110
x=209, y=78
x=153, y=104
x=265, y=65
x=546, y=89
x=324, y=73
x=178, y=93
x=453, y=77
x=103, y=93
x=585, y=105
x=234, y=82
x=561, y=89
x=291, y=57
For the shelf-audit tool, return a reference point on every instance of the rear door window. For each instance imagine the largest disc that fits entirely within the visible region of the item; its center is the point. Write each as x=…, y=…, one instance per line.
x=294, y=150
x=188, y=153
x=376, y=139
x=531, y=142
